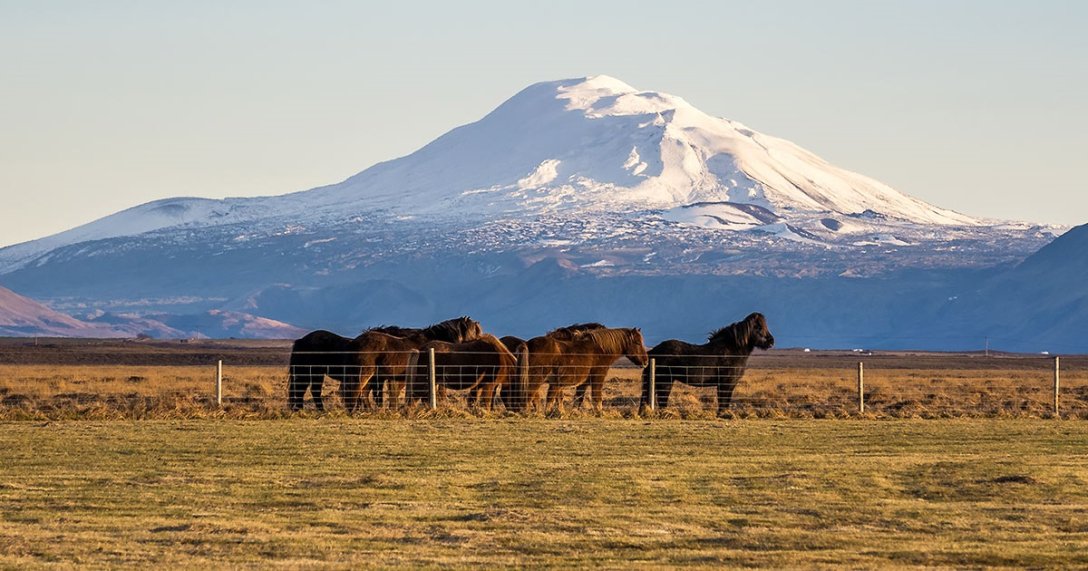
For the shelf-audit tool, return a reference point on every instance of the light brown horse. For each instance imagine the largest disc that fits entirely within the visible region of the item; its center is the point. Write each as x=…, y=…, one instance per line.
x=484, y=365
x=579, y=358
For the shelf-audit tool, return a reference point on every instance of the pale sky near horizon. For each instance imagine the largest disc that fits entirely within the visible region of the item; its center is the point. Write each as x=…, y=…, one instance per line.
x=978, y=106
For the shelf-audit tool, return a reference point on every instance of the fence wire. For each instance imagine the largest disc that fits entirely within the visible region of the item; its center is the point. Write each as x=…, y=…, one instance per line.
x=701, y=386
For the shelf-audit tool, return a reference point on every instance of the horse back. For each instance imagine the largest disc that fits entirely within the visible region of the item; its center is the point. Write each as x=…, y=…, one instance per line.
x=547, y=351
x=512, y=343
x=675, y=347
x=320, y=347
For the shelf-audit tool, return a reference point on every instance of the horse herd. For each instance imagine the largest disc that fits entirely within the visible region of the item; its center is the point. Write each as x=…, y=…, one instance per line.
x=514, y=370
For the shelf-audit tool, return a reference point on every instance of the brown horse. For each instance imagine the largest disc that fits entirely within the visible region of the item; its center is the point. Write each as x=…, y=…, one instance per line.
x=514, y=344
x=322, y=353
x=484, y=365
x=378, y=357
x=720, y=362
x=567, y=332
x=391, y=368
x=565, y=358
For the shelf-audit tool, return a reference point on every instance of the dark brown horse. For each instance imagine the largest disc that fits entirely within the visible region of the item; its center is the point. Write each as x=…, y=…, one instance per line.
x=570, y=358
x=323, y=353
x=720, y=362
x=484, y=365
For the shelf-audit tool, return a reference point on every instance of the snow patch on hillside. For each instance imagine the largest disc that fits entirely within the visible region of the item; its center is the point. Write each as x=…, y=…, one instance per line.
x=543, y=174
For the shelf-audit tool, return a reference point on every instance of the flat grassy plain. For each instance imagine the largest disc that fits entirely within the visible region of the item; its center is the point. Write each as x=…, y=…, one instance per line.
x=456, y=493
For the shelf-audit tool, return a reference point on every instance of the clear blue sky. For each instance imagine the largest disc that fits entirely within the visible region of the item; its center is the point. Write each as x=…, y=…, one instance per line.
x=979, y=106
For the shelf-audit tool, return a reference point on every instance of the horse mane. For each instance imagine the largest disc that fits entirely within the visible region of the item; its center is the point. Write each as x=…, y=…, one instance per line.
x=452, y=330
x=735, y=335
x=571, y=331
x=394, y=330
x=608, y=340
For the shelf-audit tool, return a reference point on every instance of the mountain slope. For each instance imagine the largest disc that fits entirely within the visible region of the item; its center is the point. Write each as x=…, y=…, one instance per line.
x=21, y=316
x=1042, y=299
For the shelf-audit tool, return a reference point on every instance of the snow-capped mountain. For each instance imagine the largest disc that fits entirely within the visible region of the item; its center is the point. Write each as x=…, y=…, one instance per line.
x=566, y=148
x=599, y=144
x=531, y=218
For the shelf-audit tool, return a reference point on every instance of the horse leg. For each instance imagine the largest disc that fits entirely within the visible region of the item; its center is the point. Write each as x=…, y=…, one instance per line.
x=663, y=390
x=579, y=395
x=376, y=388
x=725, y=394
x=486, y=383
x=487, y=391
x=644, y=399
x=554, y=399
x=598, y=393
x=315, y=391
x=366, y=384
x=352, y=387
x=393, y=387
x=533, y=398
x=296, y=387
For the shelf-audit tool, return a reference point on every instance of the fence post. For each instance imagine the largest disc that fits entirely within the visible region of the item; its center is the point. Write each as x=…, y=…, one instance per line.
x=431, y=378
x=861, y=387
x=219, y=383
x=653, y=384
x=522, y=383
x=1057, y=378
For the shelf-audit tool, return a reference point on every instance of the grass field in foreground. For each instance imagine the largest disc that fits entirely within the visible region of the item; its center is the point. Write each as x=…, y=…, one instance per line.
x=467, y=493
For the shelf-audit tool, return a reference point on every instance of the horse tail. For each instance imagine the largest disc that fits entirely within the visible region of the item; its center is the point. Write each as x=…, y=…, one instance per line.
x=298, y=379
x=521, y=380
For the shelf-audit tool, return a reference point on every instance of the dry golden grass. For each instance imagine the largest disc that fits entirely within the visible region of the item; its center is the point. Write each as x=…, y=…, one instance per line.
x=612, y=493
x=90, y=391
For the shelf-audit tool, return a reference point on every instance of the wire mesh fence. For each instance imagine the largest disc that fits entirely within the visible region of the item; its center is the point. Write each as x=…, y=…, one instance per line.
x=772, y=384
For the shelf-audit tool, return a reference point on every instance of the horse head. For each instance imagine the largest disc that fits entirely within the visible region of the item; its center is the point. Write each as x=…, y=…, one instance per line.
x=634, y=347
x=759, y=336
x=468, y=328
x=458, y=330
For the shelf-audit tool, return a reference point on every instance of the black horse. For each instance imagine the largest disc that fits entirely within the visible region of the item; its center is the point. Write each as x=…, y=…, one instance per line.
x=323, y=353
x=313, y=357
x=720, y=362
